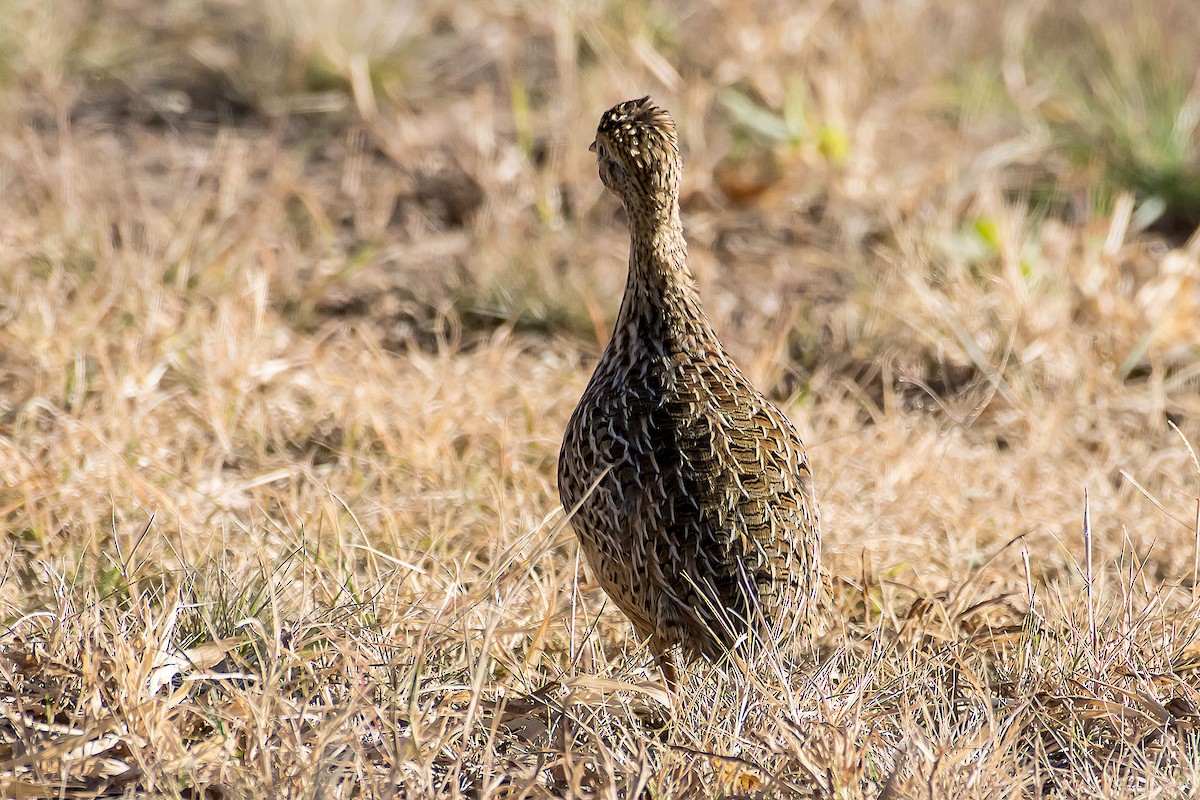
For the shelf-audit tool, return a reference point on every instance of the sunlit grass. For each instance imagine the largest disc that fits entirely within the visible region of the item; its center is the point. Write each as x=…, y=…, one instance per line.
x=295, y=301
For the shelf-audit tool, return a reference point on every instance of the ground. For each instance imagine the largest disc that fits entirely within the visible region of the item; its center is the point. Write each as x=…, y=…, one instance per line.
x=296, y=298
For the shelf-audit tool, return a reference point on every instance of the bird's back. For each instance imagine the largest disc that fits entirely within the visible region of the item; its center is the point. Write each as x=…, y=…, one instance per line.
x=702, y=523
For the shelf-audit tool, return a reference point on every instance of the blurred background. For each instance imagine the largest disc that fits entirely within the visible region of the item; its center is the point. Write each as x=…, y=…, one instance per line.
x=968, y=221
x=431, y=158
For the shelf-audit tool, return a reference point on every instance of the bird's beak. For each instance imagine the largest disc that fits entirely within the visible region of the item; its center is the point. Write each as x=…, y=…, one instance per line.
x=592, y=146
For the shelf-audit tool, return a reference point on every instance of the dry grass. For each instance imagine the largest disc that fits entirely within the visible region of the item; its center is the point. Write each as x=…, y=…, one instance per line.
x=295, y=299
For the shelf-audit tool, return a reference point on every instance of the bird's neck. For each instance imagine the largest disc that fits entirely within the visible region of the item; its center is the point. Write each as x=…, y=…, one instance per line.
x=661, y=301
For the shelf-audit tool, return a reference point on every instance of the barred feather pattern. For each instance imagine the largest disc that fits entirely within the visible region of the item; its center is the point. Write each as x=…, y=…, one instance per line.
x=692, y=493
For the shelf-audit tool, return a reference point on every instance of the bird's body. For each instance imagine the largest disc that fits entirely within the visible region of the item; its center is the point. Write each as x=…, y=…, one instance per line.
x=692, y=495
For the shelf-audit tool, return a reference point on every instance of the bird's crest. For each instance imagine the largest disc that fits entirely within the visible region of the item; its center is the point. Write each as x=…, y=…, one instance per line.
x=634, y=123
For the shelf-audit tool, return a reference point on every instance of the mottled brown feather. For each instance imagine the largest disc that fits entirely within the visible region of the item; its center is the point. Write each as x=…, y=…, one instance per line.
x=702, y=525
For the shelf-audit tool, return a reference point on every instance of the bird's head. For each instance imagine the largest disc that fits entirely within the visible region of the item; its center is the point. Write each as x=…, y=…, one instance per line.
x=637, y=152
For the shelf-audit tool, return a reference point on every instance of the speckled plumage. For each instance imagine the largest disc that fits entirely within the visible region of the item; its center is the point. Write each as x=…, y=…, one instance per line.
x=692, y=492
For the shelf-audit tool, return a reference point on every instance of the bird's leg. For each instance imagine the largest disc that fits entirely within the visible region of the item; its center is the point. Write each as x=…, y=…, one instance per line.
x=666, y=664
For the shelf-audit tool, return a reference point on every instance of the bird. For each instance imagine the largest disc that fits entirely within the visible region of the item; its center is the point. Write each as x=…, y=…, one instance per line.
x=690, y=493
